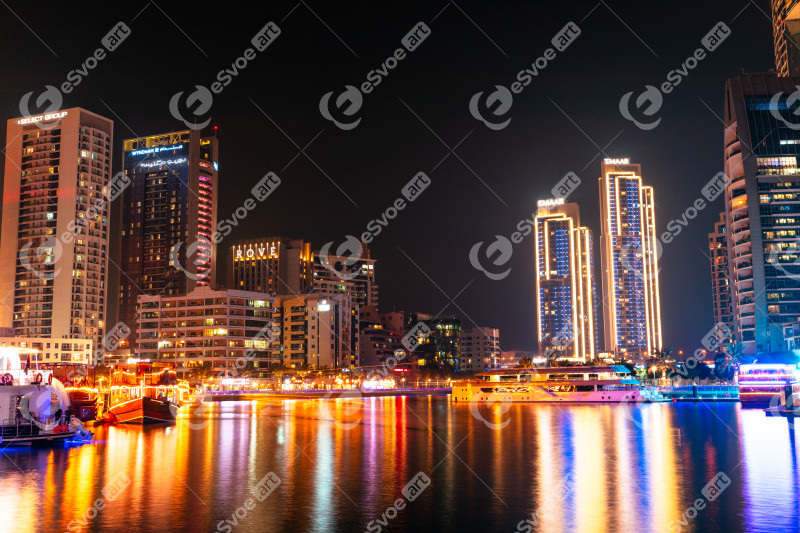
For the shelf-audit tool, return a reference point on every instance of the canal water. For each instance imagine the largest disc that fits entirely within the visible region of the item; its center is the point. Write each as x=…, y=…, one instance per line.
x=416, y=464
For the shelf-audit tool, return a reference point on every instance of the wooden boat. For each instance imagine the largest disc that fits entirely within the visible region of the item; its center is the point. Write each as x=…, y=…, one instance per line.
x=85, y=403
x=143, y=393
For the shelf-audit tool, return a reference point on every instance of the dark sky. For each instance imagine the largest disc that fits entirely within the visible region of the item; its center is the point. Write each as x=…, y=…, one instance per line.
x=423, y=254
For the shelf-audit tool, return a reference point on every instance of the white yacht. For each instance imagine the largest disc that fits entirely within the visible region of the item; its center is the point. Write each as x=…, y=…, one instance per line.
x=584, y=384
x=29, y=402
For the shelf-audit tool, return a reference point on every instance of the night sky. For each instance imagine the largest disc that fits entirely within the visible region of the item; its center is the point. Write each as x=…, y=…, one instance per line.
x=567, y=119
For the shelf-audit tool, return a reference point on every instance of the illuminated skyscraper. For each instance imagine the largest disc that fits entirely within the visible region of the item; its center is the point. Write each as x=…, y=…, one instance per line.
x=629, y=261
x=786, y=34
x=273, y=265
x=169, y=213
x=762, y=215
x=720, y=285
x=565, y=290
x=54, y=243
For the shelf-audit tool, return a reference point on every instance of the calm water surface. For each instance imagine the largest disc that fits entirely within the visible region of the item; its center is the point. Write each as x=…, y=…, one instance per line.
x=342, y=464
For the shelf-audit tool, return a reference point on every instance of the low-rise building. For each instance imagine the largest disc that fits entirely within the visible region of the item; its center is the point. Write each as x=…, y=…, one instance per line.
x=511, y=358
x=480, y=349
x=226, y=330
x=345, y=275
x=316, y=330
x=377, y=343
x=54, y=352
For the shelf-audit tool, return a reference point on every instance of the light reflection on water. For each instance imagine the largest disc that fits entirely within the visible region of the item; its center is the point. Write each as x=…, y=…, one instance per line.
x=342, y=463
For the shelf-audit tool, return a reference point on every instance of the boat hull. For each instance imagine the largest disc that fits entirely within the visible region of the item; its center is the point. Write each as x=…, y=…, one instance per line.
x=143, y=411
x=760, y=399
x=528, y=393
x=42, y=439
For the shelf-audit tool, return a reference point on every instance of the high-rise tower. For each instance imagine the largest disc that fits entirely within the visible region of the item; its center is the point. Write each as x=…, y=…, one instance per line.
x=169, y=215
x=565, y=286
x=786, y=35
x=629, y=261
x=720, y=284
x=762, y=214
x=54, y=236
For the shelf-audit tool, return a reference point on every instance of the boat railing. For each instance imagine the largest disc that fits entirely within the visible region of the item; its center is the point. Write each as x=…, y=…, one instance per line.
x=22, y=426
x=715, y=388
x=20, y=378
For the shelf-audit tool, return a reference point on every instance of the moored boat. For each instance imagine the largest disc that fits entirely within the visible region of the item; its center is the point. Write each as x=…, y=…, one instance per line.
x=142, y=393
x=85, y=403
x=587, y=384
x=763, y=384
x=28, y=414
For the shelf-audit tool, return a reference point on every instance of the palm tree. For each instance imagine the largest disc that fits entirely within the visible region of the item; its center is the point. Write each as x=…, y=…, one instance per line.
x=202, y=372
x=660, y=357
x=101, y=371
x=728, y=360
x=525, y=362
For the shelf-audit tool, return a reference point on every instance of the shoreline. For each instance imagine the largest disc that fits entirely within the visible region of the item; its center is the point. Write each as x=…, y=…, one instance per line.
x=236, y=396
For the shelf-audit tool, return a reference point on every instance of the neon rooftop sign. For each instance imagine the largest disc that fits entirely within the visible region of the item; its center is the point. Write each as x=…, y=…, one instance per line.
x=550, y=202
x=42, y=118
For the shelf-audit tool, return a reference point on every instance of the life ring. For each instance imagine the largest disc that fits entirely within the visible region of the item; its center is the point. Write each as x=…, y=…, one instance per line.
x=8, y=379
x=38, y=379
x=50, y=379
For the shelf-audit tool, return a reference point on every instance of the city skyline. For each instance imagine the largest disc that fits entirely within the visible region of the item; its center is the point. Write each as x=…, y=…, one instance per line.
x=455, y=266
x=518, y=176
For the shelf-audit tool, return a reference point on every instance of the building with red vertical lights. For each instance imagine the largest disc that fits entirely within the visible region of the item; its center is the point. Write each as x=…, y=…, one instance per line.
x=169, y=212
